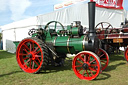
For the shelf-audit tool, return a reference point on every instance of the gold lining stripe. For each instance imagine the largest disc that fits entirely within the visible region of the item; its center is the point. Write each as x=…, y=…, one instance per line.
x=68, y=44
x=84, y=43
x=54, y=42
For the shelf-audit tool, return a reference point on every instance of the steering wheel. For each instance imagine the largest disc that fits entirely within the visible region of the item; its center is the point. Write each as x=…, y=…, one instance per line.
x=104, y=26
x=47, y=27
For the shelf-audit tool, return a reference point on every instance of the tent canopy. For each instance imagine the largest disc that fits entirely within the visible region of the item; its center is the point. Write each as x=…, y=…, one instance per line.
x=17, y=31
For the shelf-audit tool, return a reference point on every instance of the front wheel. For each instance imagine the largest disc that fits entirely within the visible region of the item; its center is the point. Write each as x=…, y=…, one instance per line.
x=86, y=65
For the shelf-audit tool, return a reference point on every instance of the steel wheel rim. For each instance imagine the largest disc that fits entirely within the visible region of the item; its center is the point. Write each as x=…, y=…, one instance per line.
x=126, y=54
x=29, y=56
x=104, y=58
x=93, y=69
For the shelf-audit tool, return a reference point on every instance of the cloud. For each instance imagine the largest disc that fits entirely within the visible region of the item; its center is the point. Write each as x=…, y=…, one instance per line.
x=3, y=5
x=17, y=8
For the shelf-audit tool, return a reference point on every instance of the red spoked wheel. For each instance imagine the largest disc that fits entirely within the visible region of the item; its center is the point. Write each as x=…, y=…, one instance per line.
x=31, y=55
x=86, y=65
x=126, y=54
x=104, y=58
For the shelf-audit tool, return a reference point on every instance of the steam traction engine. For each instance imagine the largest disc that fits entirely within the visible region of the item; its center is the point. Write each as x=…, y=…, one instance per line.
x=113, y=38
x=51, y=44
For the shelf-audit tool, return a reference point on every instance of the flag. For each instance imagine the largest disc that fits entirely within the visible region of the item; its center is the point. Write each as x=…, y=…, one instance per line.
x=114, y=4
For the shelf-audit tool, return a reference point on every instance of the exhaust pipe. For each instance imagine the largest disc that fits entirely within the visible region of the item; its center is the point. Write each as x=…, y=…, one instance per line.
x=93, y=41
x=91, y=14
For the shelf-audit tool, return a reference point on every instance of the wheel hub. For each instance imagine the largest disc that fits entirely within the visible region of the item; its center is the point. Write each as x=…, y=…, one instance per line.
x=85, y=66
x=32, y=56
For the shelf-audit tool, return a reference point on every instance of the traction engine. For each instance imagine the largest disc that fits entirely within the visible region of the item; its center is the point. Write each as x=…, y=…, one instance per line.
x=50, y=45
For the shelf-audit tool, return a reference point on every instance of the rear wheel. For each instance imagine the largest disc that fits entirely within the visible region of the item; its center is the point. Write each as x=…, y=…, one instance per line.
x=104, y=58
x=32, y=55
x=86, y=65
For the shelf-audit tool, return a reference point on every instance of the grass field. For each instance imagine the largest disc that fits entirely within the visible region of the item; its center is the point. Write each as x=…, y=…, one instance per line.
x=10, y=73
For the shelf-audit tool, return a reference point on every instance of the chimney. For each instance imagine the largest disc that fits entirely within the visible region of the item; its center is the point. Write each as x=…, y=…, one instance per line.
x=91, y=11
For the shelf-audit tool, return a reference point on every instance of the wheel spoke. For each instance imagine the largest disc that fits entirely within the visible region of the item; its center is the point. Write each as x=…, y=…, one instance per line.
x=108, y=26
x=89, y=58
x=98, y=53
x=93, y=64
x=80, y=69
x=30, y=63
x=38, y=60
x=25, y=50
x=26, y=61
x=102, y=55
x=33, y=65
x=79, y=62
x=30, y=47
x=92, y=61
x=36, y=49
x=92, y=69
x=55, y=25
x=23, y=54
x=81, y=58
x=37, y=52
x=33, y=46
x=87, y=73
x=91, y=73
x=78, y=66
x=25, y=46
x=102, y=25
x=36, y=63
x=103, y=62
x=85, y=60
x=25, y=58
x=83, y=72
x=38, y=56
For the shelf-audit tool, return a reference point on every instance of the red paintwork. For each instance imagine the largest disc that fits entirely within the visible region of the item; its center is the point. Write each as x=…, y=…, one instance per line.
x=29, y=64
x=109, y=4
x=113, y=33
x=104, y=58
x=102, y=35
x=93, y=69
x=126, y=54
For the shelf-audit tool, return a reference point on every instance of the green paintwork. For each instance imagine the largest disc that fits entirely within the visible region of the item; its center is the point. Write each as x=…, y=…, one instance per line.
x=16, y=43
x=35, y=34
x=63, y=43
x=75, y=44
x=74, y=31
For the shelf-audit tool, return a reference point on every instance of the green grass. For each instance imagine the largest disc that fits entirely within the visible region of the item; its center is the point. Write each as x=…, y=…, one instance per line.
x=10, y=73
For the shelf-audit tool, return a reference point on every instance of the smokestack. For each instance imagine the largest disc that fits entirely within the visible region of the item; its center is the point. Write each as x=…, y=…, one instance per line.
x=91, y=11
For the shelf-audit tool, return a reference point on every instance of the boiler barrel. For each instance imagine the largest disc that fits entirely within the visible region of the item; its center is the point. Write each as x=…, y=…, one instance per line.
x=67, y=44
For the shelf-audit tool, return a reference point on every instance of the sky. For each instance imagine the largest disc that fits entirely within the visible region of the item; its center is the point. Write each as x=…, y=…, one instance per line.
x=15, y=10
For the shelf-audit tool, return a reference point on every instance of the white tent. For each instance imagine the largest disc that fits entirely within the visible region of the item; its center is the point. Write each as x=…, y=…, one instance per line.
x=79, y=12
x=17, y=31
